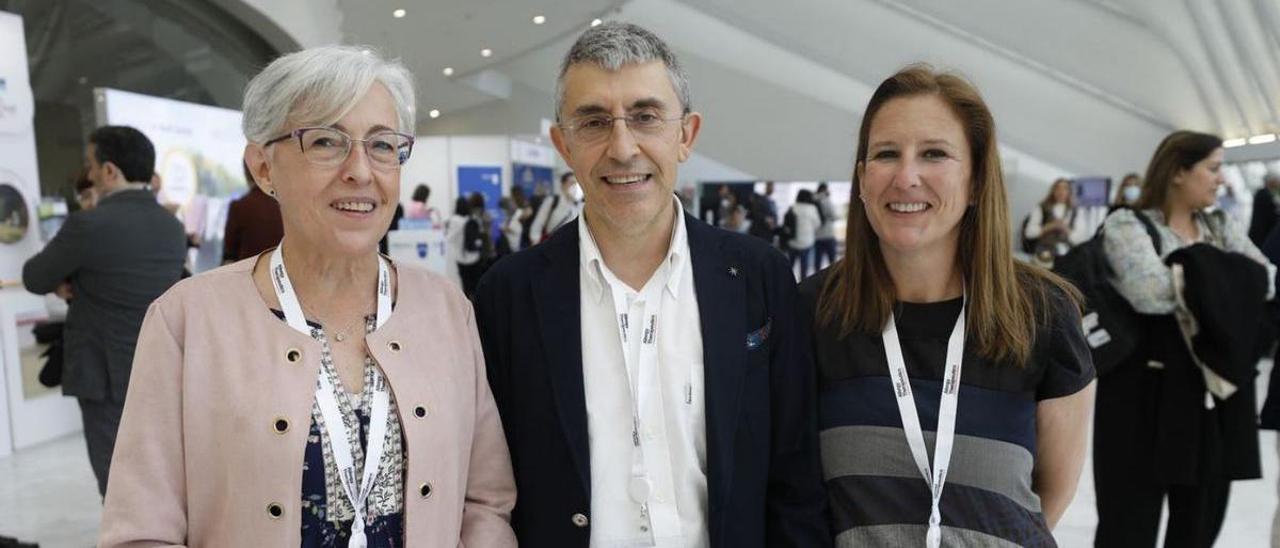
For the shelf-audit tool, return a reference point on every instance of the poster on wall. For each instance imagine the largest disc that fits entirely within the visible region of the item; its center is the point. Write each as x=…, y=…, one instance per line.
x=421, y=246
x=529, y=177
x=19, y=180
x=486, y=180
x=199, y=151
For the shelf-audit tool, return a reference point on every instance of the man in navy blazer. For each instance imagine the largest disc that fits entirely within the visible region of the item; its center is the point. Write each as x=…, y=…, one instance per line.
x=653, y=378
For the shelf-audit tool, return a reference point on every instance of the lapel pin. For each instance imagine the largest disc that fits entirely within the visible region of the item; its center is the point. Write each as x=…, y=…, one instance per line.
x=733, y=272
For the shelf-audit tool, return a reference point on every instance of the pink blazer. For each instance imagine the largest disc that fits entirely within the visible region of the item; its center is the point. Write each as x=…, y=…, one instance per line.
x=219, y=406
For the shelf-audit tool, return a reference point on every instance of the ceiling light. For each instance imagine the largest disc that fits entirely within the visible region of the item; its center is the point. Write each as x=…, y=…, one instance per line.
x=538, y=19
x=1262, y=139
x=398, y=13
x=434, y=113
x=1231, y=143
x=596, y=22
x=486, y=52
x=448, y=71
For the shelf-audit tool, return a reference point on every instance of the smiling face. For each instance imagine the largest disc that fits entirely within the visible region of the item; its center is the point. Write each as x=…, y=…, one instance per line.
x=628, y=176
x=916, y=181
x=345, y=208
x=1197, y=186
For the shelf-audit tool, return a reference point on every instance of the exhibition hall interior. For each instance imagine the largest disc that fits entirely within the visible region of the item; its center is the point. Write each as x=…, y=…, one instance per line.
x=1023, y=250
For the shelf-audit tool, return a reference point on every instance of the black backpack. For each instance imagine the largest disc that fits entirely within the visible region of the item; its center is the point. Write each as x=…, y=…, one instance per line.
x=1111, y=325
x=788, y=230
x=1028, y=245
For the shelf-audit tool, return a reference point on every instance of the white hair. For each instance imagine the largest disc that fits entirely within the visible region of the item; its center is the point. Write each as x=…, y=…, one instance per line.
x=612, y=45
x=318, y=86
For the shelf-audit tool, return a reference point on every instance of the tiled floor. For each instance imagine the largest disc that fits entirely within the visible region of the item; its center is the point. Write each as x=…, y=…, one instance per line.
x=47, y=494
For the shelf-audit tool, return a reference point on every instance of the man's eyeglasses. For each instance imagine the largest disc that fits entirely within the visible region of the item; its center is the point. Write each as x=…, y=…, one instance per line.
x=329, y=147
x=596, y=128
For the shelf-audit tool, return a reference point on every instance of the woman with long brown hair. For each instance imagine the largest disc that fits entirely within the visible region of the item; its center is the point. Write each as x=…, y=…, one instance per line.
x=928, y=329
x=1158, y=431
x=1054, y=225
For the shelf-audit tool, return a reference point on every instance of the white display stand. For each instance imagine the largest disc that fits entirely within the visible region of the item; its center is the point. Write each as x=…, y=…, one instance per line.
x=424, y=247
x=17, y=148
x=35, y=414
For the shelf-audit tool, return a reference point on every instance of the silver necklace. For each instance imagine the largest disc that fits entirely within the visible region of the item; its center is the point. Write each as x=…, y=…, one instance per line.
x=338, y=335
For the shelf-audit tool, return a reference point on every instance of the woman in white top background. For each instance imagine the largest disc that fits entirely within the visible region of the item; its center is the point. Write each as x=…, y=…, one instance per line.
x=1054, y=225
x=804, y=232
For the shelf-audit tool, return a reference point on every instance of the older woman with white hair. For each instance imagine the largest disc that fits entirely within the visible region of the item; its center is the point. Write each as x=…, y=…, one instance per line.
x=317, y=394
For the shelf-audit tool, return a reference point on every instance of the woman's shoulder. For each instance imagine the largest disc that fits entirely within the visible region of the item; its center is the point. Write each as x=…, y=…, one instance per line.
x=417, y=282
x=1052, y=297
x=215, y=293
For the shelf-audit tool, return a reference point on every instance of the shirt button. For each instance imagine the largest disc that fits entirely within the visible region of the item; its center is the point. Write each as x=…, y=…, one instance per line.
x=580, y=520
x=275, y=511
x=394, y=346
x=293, y=355
x=281, y=425
x=425, y=490
x=662, y=499
x=420, y=412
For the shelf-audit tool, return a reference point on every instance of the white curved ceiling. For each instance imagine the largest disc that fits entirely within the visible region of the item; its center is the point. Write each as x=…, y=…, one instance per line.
x=1077, y=86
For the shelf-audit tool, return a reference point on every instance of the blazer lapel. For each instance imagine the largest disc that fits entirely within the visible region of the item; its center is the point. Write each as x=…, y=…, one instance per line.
x=719, y=283
x=556, y=293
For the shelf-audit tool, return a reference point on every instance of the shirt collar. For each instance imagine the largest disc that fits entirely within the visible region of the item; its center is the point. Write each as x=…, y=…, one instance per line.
x=600, y=279
x=127, y=187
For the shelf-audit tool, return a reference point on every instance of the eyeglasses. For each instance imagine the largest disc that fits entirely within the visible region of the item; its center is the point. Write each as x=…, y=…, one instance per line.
x=593, y=129
x=329, y=147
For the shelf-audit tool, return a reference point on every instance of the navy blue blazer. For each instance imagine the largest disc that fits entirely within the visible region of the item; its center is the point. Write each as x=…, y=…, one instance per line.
x=764, y=476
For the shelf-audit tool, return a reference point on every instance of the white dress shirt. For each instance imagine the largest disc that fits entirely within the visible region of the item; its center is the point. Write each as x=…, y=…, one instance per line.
x=672, y=457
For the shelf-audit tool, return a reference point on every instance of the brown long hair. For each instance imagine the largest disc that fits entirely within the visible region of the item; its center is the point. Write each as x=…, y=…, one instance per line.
x=1047, y=202
x=1180, y=150
x=1006, y=300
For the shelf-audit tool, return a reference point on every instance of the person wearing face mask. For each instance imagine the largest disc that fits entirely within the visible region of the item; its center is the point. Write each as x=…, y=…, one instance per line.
x=556, y=210
x=1128, y=193
x=1175, y=421
x=317, y=394
x=943, y=362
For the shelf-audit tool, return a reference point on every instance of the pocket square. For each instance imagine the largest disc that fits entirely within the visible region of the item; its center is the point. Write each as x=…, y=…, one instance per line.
x=757, y=338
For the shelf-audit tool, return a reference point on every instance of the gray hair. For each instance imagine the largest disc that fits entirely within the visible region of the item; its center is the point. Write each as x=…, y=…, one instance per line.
x=612, y=45
x=318, y=86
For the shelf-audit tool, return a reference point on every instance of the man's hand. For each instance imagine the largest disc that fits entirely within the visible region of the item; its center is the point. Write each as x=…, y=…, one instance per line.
x=64, y=291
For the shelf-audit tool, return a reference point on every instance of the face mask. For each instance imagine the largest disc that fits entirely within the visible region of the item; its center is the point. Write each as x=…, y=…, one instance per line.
x=1131, y=193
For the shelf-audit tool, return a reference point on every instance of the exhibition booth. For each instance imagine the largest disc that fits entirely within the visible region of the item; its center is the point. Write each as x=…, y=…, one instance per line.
x=30, y=413
x=198, y=161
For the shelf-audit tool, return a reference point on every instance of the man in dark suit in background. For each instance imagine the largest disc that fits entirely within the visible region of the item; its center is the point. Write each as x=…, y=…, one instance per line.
x=651, y=372
x=114, y=259
x=1266, y=208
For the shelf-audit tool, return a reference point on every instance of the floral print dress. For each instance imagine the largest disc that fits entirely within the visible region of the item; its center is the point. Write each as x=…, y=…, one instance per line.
x=326, y=512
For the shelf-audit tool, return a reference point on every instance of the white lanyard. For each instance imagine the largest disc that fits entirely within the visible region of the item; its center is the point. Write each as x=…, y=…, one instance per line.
x=946, y=432
x=357, y=493
x=639, y=347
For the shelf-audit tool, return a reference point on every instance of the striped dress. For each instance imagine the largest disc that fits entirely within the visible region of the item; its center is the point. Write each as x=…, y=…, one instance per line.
x=875, y=492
